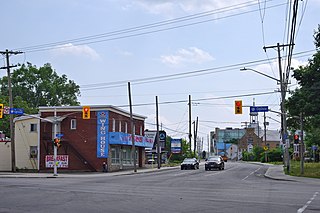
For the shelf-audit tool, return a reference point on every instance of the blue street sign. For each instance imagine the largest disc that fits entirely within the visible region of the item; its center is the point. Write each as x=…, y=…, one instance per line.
x=59, y=135
x=259, y=109
x=314, y=147
x=16, y=111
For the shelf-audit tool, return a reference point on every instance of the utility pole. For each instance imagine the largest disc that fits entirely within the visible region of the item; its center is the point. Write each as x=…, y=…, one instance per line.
x=190, y=135
x=13, y=151
x=265, y=136
x=195, y=128
x=158, y=139
x=132, y=131
x=282, y=106
x=55, y=148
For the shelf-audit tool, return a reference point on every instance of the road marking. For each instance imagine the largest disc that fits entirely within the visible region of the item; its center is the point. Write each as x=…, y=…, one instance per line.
x=308, y=203
x=251, y=173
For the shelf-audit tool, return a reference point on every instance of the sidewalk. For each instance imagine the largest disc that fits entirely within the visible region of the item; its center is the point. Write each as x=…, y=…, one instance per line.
x=81, y=174
x=276, y=172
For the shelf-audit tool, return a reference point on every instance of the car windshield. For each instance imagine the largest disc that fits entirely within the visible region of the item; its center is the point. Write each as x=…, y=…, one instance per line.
x=188, y=161
x=214, y=159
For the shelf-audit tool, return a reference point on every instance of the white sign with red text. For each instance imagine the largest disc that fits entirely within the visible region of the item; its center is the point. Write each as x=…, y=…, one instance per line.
x=62, y=161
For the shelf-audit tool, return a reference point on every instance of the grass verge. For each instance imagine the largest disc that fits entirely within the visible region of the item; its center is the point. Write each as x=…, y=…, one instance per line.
x=311, y=170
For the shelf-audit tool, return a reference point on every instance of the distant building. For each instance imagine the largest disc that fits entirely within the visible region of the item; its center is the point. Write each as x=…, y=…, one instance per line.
x=5, y=153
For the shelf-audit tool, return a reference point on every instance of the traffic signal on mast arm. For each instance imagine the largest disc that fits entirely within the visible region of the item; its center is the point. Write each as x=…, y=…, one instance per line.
x=1, y=110
x=86, y=112
x=238, y=107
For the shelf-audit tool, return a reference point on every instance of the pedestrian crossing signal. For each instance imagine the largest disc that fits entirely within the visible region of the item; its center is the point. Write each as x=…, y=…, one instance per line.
x=238, y=107
x=86, y=112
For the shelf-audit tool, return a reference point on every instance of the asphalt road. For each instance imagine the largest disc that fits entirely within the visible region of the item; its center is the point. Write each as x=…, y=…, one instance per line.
x=240, y=187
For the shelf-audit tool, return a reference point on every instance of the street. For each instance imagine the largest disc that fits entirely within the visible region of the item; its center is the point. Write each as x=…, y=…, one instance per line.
x=241, y=187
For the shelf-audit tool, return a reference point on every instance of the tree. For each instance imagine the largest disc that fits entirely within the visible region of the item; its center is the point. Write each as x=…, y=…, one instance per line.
x=33, y=87
x=41, y=87
x=305, y=99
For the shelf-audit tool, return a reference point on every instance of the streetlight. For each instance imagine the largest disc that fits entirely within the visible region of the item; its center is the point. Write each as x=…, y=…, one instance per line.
x=283, y=114
x=261, y=73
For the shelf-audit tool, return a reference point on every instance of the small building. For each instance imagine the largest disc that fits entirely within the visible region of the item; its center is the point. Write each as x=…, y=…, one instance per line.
x=26, y=140
x=5, y=154
x=88, y=143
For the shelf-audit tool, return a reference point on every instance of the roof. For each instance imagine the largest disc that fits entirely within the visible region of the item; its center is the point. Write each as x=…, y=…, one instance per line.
x=92, y=108
x=272, y=135
x=26, y=117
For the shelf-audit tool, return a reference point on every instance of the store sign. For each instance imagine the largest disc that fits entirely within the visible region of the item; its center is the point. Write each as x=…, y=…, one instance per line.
x=121, y=138
x=102, y=134
x=62, y=161
x=176, y=145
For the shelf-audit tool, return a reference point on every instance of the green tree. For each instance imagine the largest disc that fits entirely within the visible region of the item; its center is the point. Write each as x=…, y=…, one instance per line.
x=305, y=99
x=33, y=87
x=41, y=87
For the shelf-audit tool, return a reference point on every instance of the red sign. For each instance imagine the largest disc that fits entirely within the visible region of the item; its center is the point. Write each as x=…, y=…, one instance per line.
x=62, y=161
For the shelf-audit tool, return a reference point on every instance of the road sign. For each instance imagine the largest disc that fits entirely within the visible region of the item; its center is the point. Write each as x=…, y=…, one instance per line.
x=16, y=111
x=259, y=109
x=265, y=148
x=59, y=135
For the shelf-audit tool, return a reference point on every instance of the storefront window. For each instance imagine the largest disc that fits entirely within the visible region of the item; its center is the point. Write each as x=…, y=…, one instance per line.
x=115, y=155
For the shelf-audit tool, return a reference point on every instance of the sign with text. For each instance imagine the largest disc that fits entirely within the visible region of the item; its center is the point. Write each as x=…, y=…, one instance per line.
x=102, y=134
x=62, y=161
x=259, y=109
x=176, y=145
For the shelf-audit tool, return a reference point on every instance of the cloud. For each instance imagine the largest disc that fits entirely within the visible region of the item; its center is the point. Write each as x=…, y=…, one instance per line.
x=76, y=50
x=170, y=6
x=190, y=55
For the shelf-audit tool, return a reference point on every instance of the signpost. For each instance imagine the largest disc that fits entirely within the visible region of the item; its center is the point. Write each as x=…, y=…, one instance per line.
x=16, y=111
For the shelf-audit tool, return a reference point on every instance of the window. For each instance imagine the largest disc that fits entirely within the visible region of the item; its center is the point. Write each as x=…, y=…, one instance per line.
x=73, y=124
x=119, y=126
x=126, y=127
x=113, y=125
x=140, y=130
x=115, y=155
x=33, y=127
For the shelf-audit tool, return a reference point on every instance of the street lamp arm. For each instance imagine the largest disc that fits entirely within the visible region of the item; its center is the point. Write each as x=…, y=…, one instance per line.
x=244, y=69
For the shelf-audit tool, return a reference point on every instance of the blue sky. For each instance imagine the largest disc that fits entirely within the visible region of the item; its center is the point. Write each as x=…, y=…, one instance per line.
x=201, y=44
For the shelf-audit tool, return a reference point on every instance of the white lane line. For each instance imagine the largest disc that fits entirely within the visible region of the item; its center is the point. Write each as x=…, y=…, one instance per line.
x=308, y=203
x=251, y=173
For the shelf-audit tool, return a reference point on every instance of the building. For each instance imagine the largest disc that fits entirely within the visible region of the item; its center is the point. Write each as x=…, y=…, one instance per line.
x=105, y=136
x=27, y=142
x=223, y=139
x=5, y=153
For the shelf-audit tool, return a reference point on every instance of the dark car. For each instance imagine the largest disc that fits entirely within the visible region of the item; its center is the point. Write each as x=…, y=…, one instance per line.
x=190, y=163
x=214, y=163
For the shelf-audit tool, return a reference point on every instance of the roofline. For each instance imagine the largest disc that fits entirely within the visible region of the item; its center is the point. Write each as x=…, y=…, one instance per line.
x=92, y=108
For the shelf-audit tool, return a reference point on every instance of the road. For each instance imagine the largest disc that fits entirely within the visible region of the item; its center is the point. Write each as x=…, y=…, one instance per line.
x=241, y=187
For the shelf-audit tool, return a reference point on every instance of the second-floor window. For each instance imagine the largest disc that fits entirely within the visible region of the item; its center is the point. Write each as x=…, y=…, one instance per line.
x=33, y=127
x=73, y=124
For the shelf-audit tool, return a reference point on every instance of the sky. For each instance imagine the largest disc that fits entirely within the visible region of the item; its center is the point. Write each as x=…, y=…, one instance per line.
x=168, y=50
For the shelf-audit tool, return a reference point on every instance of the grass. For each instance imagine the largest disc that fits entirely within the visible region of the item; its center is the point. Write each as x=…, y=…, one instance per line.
x=311, y=170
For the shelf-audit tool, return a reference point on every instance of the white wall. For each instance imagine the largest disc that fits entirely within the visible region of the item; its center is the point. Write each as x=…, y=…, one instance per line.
x=5, y=156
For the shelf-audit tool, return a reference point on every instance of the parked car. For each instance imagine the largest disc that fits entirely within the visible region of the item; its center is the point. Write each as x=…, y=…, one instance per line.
x=214, y=162
x=190, y=163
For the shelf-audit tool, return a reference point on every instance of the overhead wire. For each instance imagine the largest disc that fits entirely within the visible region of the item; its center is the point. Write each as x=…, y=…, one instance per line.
x=193, y=73
x=121, y=33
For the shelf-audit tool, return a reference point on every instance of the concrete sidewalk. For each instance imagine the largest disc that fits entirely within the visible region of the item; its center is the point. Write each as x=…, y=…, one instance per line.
x=276, y=172
x=81, y=174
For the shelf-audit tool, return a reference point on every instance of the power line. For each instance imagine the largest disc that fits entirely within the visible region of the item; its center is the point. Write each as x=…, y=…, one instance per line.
x=121, y=34
x=187, y=74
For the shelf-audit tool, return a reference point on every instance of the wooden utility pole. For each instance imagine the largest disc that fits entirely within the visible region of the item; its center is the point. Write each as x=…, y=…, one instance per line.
x=282, y=106
x=132, y=131
x=302, y=146
x=158, y=139
x=190, y=135
x=13, y=151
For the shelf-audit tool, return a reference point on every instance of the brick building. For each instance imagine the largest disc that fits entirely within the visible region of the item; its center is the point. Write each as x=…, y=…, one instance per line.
x=87, y=143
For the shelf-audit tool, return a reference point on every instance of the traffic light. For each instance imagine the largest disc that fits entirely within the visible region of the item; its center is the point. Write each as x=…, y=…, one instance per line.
x=86, y=112
x=1, y=110
x=238, y=107
x=296, y=138
x=57, y=142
